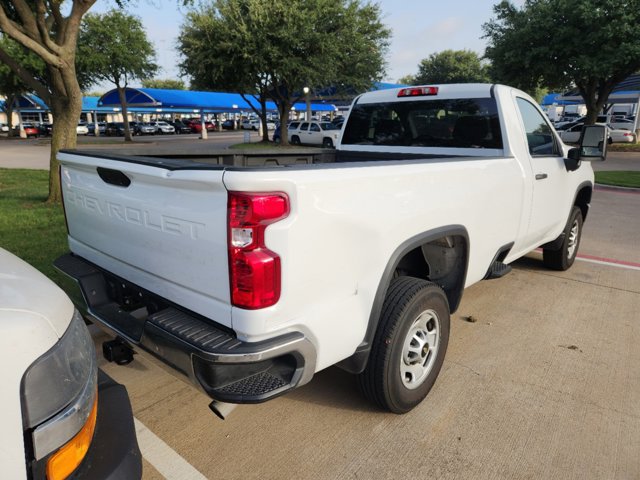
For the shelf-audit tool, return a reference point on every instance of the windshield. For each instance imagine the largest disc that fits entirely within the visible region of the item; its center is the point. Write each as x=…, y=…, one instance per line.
x=328, y=126
x=455, y=123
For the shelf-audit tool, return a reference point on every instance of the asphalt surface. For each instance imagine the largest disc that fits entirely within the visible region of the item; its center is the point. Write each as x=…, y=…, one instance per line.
x=544, y=385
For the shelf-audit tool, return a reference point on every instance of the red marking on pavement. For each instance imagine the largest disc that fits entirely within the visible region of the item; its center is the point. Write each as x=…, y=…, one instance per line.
x=609, y=260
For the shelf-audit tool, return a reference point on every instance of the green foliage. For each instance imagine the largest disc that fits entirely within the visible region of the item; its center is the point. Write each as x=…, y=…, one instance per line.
x=114, y=47
x=592, y=44
x=164, y=83
x=407, y=80
x=452, y=66
x=30, y=228
x=278, y=47
x=10, y=82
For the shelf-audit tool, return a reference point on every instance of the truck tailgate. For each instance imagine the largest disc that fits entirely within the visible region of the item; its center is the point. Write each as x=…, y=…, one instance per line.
x=153, y=225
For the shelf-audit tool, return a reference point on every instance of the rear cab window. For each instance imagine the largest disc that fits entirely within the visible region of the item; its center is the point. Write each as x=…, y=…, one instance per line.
x=450, y=123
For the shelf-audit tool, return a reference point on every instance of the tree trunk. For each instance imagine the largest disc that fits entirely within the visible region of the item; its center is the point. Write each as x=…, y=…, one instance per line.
x=125, y=114
x=283, y=109
x=9, y=103
x=263, y=118
x=66, y=111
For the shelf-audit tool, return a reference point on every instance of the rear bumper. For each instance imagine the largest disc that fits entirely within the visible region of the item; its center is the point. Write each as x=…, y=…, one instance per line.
x=207, y=354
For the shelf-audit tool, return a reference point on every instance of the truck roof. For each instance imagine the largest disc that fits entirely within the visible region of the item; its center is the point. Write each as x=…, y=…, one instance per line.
x=444, y=91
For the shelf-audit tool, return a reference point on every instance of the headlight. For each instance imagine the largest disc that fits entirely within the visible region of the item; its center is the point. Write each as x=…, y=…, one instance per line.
x=59, y=389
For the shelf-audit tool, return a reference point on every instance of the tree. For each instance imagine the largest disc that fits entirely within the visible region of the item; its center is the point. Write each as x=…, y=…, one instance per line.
x=592, y=44
x=50, y=32
x=164, y=83
x=113, y=47
x=452, y=66
x=407, y=80
x=11, y=86
x=275, y=48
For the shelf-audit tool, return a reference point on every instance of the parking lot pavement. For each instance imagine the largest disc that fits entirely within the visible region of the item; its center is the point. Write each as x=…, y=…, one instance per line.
x=544, y=384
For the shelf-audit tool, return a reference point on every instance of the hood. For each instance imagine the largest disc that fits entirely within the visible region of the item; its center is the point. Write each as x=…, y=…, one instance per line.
x=24, y=289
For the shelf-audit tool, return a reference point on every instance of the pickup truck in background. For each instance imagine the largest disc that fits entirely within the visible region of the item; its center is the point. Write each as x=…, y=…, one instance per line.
x=61, y=416
x=249, y=274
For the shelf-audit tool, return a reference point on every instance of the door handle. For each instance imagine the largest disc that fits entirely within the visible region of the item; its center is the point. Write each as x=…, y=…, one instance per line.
x=541, y=176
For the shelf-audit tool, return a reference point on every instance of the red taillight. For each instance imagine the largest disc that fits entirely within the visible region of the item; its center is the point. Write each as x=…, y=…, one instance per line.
x=254, y=270
x=418, y=91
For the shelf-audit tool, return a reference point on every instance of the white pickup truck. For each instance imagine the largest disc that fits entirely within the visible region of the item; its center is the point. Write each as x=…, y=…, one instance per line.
x=61, y=416
x=247, y=275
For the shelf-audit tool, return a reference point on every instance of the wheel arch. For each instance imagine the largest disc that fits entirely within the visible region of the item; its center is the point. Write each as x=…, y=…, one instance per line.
x=582, y=198
x=416, y=253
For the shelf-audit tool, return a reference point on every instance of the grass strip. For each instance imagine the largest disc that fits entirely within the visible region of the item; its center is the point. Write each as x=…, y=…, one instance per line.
x=29, y=227
x=619, y=178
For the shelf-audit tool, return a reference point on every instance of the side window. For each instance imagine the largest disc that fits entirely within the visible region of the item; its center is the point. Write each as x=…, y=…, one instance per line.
x=539, y=134
x=304, y=126
x=314, y=128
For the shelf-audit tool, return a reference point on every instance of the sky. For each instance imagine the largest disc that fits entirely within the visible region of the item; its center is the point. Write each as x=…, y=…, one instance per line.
x=419, y=28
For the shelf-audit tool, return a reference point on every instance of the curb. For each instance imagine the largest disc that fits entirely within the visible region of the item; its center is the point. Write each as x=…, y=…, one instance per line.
x=612, y=188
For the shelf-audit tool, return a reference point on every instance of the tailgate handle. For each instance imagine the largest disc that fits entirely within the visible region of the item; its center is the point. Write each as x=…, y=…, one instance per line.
x=114, y=177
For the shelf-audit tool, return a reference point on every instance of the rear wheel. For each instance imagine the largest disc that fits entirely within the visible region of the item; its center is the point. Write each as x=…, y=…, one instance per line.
x=295, y=140
x=564, y=257
x=327, y=143
x=409, y=346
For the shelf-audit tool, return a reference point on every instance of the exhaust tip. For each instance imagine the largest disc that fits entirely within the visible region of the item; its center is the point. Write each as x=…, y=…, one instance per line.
x=222, y=409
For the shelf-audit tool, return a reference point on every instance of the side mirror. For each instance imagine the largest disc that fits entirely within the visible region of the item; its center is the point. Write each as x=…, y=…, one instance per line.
x=593, y=142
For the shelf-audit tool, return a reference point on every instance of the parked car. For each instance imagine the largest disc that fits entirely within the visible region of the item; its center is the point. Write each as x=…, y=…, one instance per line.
x=115, y=129
x=163, y=128
x=315, y=133
x=250, y=124
x=82, y=129
x=102, y=127
x=572, y=135
x=180, y=127
x=229, y=125
x=4, y=128
x=45, y=129
x=196, y=126
x=30, y=130
x=143, y=128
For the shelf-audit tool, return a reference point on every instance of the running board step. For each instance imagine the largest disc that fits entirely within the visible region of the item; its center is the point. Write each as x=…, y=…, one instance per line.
x=497, y=270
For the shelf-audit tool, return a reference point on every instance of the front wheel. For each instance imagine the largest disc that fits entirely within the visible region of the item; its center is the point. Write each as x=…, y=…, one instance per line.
x=327, y=143
x=564, y=257
x=409, y=345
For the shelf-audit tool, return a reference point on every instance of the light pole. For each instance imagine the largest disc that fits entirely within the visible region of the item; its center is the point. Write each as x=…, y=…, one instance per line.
x=308, y=100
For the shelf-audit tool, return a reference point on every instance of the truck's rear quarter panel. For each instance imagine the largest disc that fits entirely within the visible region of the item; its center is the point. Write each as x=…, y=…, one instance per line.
x=345, y=223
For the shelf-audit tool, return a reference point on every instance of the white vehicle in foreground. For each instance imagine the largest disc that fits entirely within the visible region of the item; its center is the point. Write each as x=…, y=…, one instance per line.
x=247, y=274
x=82, y=129
x=60, y=415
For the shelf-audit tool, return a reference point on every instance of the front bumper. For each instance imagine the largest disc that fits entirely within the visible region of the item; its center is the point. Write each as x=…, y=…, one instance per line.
x=209, y=355
x=114, y=451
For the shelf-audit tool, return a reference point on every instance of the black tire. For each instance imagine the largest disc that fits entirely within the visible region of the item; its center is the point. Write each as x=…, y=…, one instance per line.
x=295, y=140
x=563, y=258
x=386, y=380
x=327, y=143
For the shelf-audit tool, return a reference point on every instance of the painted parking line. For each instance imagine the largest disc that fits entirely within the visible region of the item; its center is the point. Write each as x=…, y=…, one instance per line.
x=162, y=457
x=609, y=261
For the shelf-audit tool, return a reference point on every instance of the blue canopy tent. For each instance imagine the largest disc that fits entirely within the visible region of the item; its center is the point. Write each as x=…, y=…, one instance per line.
x=185, y=101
